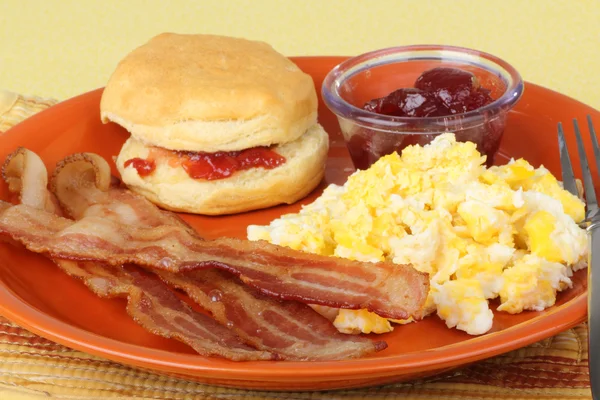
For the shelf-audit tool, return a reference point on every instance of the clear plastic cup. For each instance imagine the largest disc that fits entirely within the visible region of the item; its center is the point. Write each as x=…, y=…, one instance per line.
x=372, y=75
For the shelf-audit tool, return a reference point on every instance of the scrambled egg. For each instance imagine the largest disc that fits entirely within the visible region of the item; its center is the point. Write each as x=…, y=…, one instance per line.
x=509, y=232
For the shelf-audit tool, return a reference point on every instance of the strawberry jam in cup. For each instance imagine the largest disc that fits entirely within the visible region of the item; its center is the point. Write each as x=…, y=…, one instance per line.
x=388, y=99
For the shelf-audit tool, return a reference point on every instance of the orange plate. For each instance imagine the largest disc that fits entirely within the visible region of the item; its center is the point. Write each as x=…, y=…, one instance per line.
x=38, y=296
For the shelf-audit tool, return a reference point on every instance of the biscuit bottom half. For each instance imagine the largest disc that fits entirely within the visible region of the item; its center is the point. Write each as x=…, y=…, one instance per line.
x=171, y=188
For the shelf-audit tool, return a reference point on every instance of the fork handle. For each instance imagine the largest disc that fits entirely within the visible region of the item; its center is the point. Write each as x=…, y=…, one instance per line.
x=594, y=309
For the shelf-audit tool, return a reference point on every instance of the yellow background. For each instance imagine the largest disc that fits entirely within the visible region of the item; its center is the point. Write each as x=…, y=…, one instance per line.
x=61, y=48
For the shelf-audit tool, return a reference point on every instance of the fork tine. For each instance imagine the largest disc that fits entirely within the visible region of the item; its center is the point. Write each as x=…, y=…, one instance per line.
x=588, y=184
x=568, y=177
x=594, y=143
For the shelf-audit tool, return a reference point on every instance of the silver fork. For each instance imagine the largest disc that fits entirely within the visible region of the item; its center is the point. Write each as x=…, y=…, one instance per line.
x=591, y=223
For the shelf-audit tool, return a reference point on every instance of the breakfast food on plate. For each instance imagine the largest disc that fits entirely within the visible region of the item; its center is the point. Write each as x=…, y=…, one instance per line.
x=245, y=324
x=218, y=125
x=509, y=232
x=290, y=329
x=156, y=307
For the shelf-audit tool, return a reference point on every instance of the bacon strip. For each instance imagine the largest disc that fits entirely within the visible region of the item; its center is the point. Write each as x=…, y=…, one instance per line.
x=150, y=302
x=290, y=329
x=158, y=310
x=392, y=291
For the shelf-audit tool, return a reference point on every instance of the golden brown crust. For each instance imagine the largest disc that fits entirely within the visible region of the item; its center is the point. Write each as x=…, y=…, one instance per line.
x=220, y=92
x=172, y=189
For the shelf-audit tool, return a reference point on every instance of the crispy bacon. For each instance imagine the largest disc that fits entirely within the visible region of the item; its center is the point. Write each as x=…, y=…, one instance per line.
x=150, y=302
x=392, y=291
x=290, y=329
x=157, y=309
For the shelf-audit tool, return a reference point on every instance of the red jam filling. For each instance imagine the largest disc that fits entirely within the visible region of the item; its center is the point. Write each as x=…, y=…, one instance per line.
x=212, y=166
x=438, y=92
x=143, y=167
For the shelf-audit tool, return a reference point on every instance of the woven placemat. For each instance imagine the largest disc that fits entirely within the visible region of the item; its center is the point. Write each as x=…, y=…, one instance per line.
x=32, y=367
